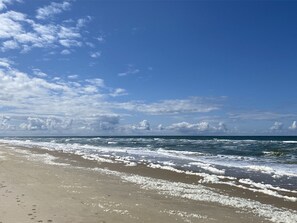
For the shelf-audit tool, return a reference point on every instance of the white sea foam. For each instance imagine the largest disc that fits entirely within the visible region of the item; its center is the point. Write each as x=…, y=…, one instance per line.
x=208, y=167
x=45, y=158
x=267, y=189
x=209, y=178
x=158, y=166
x=275, y=171
x=131, y=164
x=264, y=169
x=294, y=142
x=112, y=143
x=98, y=159
x=185, y=216
x=204, y=194
x=220, y=179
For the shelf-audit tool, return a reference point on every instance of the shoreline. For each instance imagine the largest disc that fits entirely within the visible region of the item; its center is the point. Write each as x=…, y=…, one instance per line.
x=129, y=187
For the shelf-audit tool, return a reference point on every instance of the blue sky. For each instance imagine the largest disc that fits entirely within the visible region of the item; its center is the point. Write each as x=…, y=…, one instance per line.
x=83, y=67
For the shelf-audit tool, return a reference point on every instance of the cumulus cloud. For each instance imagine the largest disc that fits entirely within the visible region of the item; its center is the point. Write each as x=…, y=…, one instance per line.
x=17, y=31
x=100, y=123
x=42, y=124
x=187, y=127
x=37, y=123
x=25, y=94
x=277, y=126
x=196, y=128
x=53, y=9
x=10, y=45
x=293, y=126
x=5, y=123
x=222, y=127
x=95, y=54
x=160, y=127
x=143, y=125
x=34, y=102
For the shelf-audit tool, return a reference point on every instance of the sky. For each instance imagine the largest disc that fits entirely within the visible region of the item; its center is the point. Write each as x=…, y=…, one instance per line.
x=98, y=67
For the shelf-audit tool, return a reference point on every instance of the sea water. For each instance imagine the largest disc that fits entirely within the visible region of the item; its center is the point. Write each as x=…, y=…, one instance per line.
x=268, y=164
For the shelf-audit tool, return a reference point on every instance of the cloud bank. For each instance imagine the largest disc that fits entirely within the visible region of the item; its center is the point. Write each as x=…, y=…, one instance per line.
x=35, y=102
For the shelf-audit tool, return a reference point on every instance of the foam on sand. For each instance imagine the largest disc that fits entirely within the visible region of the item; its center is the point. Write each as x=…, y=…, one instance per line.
x=204, y=194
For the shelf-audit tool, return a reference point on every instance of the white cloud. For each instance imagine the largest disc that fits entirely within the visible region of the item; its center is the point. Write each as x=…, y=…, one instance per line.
x=277, y=126
x=68, y=32
x=39, y=73
x=104, y=123
x=10, y=25
x=187, y=127
x=17, y=31
x=89, y=44
x=70, y=43
x=130, y=70
x=9, y=45
x=160, y=127
x=175, y=106
x=196, y=128
x=96, y=82
x=143, y=125
x=118, y=92
x=50, y=123
x=260, y=115
x=75, y=76
x=100, y=39
x=34, y=95
x=293, y=126
x=53, y=9
x=5, y=123
x=4, y=3
x=95, y=54
x=5, y=63
x=222, y=127
x=34, y=102
x=39, y=105
x=83, y=21
x=65, y=52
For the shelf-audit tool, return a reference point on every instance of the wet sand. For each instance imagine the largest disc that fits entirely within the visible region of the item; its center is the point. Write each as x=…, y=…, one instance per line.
x=34, y=189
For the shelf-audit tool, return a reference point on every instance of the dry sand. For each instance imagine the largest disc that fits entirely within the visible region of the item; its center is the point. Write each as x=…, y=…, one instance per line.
x=33, y=191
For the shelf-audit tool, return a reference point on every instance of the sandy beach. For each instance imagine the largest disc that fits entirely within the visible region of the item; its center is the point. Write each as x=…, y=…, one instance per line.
x=36, y=188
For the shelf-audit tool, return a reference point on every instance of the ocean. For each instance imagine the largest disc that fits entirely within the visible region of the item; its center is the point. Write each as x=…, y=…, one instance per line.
x=264, y=167
x=257, y=160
